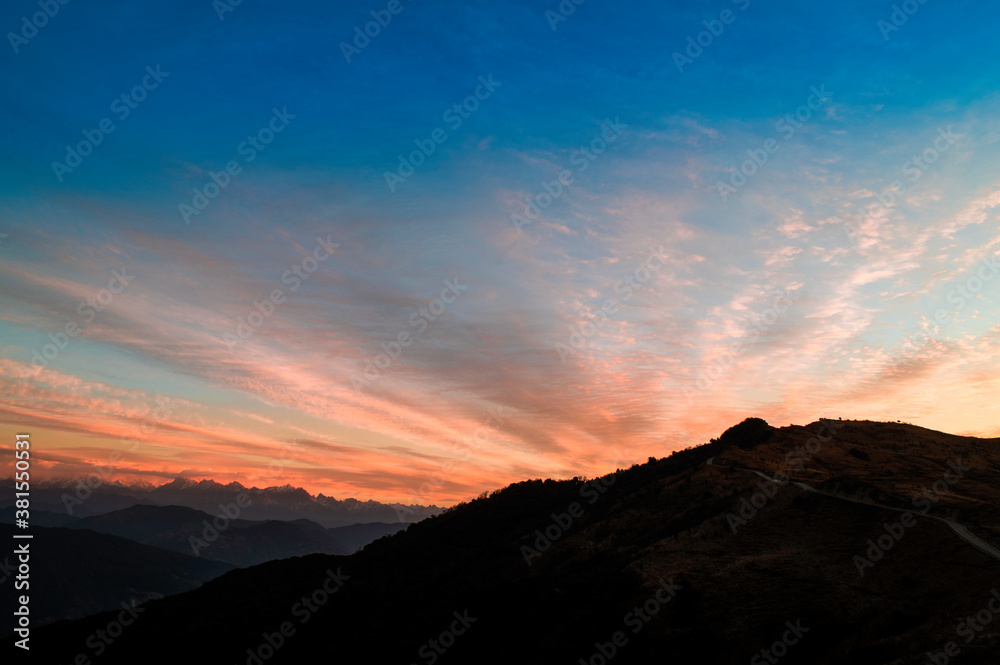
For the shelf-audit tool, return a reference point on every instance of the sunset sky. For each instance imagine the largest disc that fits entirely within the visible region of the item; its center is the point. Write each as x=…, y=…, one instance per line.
x=668, y=287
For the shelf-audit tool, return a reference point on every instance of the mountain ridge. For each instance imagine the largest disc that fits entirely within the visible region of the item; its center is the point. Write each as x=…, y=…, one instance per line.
x=569, y=566
x=285, y=503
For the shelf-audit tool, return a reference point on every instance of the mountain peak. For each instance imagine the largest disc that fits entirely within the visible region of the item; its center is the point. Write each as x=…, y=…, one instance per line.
x=795, y=511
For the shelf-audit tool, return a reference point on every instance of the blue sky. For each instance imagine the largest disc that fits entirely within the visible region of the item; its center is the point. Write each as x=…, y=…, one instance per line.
x=671, y=366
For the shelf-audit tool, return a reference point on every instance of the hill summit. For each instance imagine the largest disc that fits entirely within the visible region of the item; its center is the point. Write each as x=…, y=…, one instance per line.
x=835, y=542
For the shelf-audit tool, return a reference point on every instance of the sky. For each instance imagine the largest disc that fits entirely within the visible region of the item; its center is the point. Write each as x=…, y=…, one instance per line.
x=414, y=251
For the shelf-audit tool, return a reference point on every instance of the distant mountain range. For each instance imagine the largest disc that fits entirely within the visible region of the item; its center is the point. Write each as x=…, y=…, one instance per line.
x=77, y=572
x=284, y=503
x=838, y=542
x=237, y=542
x=145, y=552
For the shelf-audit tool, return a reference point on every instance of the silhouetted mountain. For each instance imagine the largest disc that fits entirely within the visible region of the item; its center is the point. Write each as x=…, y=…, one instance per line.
x=77, y=572
x=766, y=544
x=241, y=542
x=236, y=541
x=39, y=517
x=284, y=503
x=356, y=536
x=144, y=523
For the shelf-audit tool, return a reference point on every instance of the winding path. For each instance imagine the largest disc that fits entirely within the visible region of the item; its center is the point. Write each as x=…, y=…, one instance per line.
x=960, y=529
